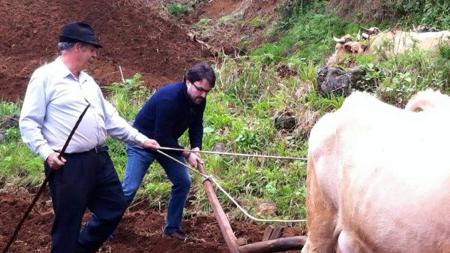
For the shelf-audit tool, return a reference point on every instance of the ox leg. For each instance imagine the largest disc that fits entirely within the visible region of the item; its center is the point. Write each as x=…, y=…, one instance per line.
x=322, y=237
x=349, y=243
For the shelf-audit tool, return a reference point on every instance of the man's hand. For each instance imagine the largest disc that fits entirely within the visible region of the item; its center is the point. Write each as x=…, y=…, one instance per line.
x=54, y=162
x=194, y=158
x=151, y=144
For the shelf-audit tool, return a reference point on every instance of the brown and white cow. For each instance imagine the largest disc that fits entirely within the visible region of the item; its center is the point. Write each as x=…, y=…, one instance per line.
x=345, y=45
x=378, y=180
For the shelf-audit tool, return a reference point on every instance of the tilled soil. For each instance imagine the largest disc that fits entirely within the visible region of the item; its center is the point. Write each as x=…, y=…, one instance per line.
x=134, y=36
x=139, y=231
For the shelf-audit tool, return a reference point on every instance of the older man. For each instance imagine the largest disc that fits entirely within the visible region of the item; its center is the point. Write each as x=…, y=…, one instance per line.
x=84, y=176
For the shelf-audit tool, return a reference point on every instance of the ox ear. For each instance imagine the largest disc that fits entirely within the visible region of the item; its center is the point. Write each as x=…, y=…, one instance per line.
x=364, y=47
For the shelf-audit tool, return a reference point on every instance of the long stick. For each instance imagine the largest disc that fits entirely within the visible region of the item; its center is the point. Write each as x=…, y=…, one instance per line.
x=237, y=154
x=221, y=217
x=36, y=197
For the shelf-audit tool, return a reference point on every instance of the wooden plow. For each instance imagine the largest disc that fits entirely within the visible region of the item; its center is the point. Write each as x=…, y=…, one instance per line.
x=271, y=241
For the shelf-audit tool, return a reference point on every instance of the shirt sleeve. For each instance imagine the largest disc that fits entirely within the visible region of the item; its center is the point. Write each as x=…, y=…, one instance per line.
x=196, y=129
x=118, y=127
x=32, y=116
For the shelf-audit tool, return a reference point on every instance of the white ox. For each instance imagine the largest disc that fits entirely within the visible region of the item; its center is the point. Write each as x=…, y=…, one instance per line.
x=388, y=44
x=378, y=180
x=397, y=42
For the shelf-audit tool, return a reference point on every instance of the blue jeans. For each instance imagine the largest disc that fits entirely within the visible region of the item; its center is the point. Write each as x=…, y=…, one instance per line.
x=139, y=160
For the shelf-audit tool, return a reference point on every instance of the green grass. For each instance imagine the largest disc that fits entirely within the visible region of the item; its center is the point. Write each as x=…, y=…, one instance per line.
x=8, y=108
x=19, y=166
x=309, y=39
x=413, y=71
x=177, y=9
x=429, y=12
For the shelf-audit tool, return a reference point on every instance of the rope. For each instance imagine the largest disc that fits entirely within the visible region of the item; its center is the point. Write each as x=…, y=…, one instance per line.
x=208, y=177
x=237, y=154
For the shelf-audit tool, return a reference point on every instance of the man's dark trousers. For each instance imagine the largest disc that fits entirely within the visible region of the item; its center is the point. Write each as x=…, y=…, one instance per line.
x=87, y=180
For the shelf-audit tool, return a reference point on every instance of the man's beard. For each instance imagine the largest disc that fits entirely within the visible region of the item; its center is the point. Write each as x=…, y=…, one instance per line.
x=199, y=100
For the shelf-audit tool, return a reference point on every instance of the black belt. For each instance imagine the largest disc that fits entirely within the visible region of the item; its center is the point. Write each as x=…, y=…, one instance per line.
x=97, y=149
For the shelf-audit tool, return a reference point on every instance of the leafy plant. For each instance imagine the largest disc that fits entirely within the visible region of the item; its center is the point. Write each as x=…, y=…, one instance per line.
x=9, y=108
x=177, y=9
x=128, y=96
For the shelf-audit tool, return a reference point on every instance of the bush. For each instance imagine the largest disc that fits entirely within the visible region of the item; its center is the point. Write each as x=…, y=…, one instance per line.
x=176, y=9
x=428, y=12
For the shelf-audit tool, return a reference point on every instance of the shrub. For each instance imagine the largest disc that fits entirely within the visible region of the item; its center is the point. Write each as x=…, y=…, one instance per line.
x=176, y=9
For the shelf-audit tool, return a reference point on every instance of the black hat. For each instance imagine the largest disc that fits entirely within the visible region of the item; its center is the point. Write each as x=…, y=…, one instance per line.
x=78, y=32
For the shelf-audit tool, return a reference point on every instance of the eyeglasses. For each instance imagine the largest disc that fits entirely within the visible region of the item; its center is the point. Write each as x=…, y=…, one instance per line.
x=201, y=89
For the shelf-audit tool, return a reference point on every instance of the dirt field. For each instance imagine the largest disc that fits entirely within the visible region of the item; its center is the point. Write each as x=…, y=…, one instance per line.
x=134, y=37
x=139, y=231
x=134, y=33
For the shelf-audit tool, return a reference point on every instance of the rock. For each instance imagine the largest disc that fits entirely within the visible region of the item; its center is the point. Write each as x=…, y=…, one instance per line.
x=219, y=147
x=285, y=120
x=266, y=209
x=338, y=82
x=333, y=81
x=9, y=121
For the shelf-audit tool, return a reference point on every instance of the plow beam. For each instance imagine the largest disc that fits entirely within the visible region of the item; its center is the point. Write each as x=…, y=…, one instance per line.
x=281, y=244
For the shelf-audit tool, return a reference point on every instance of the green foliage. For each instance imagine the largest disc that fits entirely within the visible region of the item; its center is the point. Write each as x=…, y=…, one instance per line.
x=292, y=9
x=128, y=96
x=12, y=134
x=309, y=39
x=18, y=165
x=444, y=52
x=177, y=9
x=321, y=103
x=9, y=108
x=410, y=72
x=429, y=12
x=202, y=25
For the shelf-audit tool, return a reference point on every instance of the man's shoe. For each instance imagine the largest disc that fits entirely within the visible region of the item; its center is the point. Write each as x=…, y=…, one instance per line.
x=179, y=235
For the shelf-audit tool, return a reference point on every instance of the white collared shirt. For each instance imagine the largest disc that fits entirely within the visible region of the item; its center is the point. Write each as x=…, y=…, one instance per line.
x=54, y=101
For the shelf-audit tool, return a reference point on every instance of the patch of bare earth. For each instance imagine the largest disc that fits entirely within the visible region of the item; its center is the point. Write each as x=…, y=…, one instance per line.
x=139, y=231
x=235, y=25
x=134, y=37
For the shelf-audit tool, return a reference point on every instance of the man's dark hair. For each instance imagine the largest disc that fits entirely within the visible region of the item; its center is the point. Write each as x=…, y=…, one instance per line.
x=199, y=72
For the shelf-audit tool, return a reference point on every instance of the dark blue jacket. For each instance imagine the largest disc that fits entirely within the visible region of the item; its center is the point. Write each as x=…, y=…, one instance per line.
x=167, y=115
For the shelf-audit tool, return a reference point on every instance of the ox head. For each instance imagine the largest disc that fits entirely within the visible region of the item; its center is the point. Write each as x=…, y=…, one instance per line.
x=355, y=47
